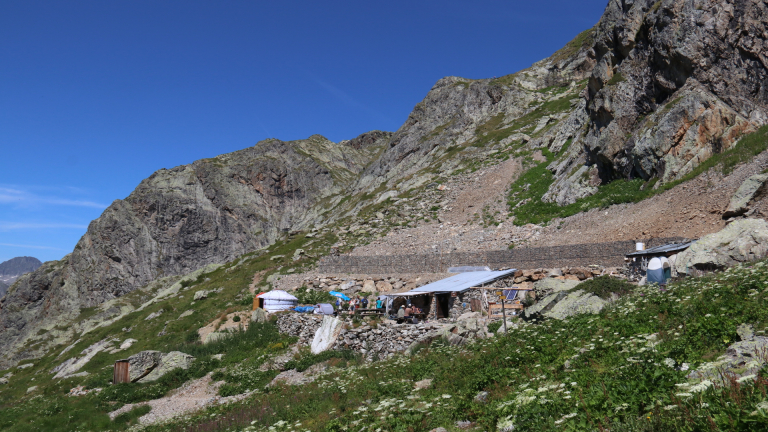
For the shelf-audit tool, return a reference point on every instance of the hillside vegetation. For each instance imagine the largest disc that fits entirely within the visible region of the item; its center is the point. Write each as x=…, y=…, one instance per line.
x=624, y=369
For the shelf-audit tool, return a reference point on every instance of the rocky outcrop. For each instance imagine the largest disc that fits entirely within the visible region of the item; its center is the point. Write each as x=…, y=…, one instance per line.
x=142, y=363
x=181, y=219
x=676, y=81
x=752, y=187
x=741, y=241
x=168, y=362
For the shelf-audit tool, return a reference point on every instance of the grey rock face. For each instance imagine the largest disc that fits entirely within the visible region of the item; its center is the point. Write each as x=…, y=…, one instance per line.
x=181, y=219
x=747, y=191
x=741, y=241
x=142, y=363
x=675, y=82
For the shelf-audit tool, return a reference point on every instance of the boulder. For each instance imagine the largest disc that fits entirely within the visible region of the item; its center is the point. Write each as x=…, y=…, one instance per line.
x=369, y=286
x=383, y=286
x=548, y=286
x=327, y=334
x=741, y=359
x=127, y=343
x=741, y=241
x=3, y=381
x=167, y=363
x=544, y=305
x=744, y=194
x=200, y=295
x=510, y=326
x=142, y=363
x=72, y=365
x=214, y=336
x=154, y=315
x=577, y=302
x=746, y=332
x=259, y=315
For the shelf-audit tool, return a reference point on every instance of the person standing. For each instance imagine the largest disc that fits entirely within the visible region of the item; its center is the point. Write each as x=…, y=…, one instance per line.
x=379, y=304
x=364, y=303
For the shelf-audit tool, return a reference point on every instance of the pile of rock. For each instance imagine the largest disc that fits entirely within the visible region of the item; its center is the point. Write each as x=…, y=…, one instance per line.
x=300, y=325
x=523, y=277
x=384, y=339
x=362, y=285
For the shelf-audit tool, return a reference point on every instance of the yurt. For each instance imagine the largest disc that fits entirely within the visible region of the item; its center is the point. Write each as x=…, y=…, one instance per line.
x=276, y=301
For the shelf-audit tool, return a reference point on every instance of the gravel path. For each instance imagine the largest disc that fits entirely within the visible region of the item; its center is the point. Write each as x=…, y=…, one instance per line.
x=192, y=396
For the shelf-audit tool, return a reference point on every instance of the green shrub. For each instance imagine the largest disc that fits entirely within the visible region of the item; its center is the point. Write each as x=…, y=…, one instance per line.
x=494, y=326
x=311, y=296
x=247, y=300
x=236, y=318
x=605, y=286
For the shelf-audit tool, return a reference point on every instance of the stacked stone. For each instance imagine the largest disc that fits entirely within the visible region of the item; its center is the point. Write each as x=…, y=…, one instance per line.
x=382, y=340
x=608, y=254
x=303, y=326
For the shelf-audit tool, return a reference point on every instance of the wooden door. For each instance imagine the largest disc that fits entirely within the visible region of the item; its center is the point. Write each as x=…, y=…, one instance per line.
x=120, y=373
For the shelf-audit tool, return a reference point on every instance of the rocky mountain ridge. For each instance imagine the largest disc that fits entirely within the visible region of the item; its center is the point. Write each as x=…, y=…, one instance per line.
x=652, y=91
x=13, y=268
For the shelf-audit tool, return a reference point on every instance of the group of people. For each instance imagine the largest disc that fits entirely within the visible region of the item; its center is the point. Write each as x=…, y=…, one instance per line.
x=408, y=313
x=359, y=303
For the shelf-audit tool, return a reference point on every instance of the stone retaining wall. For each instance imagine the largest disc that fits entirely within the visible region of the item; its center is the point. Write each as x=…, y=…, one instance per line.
x=381, y=341
x=609, y=254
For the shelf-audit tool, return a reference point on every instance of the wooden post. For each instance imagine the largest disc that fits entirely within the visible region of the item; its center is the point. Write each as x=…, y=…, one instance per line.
x=503, y=312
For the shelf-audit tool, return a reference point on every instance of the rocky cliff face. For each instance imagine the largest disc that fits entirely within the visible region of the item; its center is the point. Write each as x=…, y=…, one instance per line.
x=181, y=219
x=675, y=82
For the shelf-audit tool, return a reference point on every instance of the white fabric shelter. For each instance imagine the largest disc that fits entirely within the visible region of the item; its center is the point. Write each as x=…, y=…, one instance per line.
x=278, y=300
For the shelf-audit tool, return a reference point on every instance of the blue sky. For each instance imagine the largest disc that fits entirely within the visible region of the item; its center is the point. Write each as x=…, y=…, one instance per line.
x=97, y=95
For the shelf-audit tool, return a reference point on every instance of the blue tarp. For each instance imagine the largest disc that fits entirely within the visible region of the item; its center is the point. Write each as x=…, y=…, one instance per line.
x=304, y=309
x=339, y=295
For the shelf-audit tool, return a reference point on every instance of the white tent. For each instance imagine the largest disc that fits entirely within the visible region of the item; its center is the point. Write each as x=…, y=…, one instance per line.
x=278, y=300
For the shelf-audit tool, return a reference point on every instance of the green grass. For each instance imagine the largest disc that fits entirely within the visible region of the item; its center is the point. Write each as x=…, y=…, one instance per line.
x=615, y=79
x=617, y=370
x=618, y=191
x=303, y=363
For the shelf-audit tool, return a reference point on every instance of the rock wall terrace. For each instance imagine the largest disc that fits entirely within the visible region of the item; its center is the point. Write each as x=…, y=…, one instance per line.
x=608, y=254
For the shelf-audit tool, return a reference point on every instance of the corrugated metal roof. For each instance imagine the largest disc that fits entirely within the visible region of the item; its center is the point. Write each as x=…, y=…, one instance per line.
x=663, y=249
x=463, y=281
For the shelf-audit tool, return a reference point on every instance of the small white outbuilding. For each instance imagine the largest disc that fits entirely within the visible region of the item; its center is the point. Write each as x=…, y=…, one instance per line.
x=277, y=300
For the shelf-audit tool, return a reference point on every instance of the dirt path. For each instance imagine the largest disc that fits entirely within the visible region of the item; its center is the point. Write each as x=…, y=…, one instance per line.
x=192, y=396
